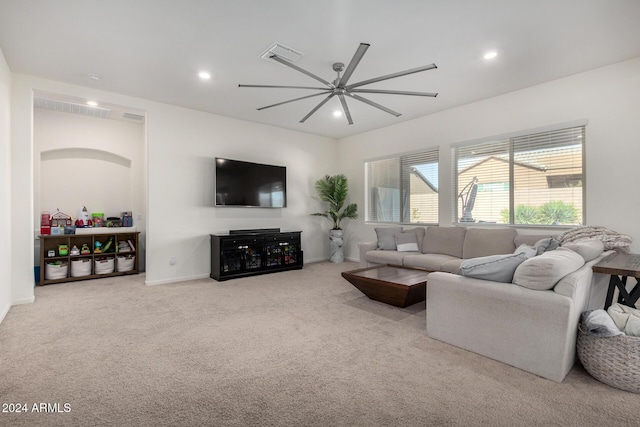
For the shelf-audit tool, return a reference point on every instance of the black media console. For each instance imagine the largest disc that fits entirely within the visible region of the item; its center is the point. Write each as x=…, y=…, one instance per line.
x=242, y=253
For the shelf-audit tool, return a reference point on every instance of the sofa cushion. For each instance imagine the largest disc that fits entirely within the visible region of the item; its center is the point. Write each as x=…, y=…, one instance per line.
x=407, y=242
x=431, y=262
x=385, y=257
x=529, y=239
x=419, y=232
x=546, y=244
x=452, y=266
x=544, y=271
x=497, y=268
x=588, y=249
x=480, y=242
x=444, y=240
x=528, y=250
x=386, y=237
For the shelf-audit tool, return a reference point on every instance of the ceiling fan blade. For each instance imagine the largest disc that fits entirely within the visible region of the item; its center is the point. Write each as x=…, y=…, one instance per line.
x=357, y=57
x=292, y=100
x=295, y=67
x=317, y=107
x=392, y=76
x=285, y=87
x=347, y=113
x=374, y=104
x=395, y=92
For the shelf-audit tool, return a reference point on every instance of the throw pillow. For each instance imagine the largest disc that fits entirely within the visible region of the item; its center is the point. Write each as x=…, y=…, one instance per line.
x=497, y=268
x=386, y=238
x=546, y=244
x=545, y=270
x=407, y=242
x=587, y=249
x=528, y=250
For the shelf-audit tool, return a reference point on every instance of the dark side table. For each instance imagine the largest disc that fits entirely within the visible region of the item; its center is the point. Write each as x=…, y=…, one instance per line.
x=620, y=266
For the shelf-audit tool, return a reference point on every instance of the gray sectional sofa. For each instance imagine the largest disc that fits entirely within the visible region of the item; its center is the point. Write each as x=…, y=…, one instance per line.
x=528, y=320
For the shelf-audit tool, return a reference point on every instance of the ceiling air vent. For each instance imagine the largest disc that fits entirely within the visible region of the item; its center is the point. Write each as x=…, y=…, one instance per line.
x=282, y=51
x=131, y=116
x=71, y=107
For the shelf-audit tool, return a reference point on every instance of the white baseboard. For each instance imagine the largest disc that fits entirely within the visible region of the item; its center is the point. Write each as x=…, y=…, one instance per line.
x=27, y=300
x=309, y=261
x=175, y=280
x=4, y=312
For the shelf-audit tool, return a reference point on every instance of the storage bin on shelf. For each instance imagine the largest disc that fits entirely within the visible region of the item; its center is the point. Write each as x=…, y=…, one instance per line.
x=104, y=265
x=125, y=262
x=80, y=267
x=56, y=270
x=614, y=361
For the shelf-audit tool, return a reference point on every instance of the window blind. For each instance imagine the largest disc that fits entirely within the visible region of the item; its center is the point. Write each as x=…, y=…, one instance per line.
x=535, y=178
x=403, y=189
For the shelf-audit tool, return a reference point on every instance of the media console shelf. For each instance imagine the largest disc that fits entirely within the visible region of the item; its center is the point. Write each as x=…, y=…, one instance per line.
x=117, y=258
x=242, y=253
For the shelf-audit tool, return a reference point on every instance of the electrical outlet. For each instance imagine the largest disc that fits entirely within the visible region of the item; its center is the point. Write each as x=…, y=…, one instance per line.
x=172, y=260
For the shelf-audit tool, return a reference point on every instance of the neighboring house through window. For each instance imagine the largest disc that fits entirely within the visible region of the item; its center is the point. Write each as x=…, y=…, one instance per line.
x=533, y=177
x=403, y=189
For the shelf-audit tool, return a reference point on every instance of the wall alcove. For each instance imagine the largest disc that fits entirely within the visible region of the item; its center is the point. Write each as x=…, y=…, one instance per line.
x=85, y=159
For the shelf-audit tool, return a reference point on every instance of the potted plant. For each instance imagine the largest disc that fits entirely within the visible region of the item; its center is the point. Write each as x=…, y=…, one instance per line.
x=333, y=190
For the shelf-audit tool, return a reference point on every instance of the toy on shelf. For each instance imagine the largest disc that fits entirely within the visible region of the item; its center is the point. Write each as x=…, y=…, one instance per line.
x=97, y=247
x=98, y=219
x=74, y=251
x=60, y=219
x=85, y=249
x=63, y=250
x=83, y=218
x=107, y=247
x=45, y=223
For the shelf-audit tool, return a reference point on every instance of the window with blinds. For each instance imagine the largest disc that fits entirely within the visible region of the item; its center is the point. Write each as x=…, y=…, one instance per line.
x=403, y=189
x=535, y=179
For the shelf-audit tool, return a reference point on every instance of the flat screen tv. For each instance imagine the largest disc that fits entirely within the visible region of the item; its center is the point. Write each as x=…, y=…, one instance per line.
x=240, y=183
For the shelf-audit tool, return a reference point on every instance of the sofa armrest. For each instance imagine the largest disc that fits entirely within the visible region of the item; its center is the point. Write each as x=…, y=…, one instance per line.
x=529, y=329
x=364, y=248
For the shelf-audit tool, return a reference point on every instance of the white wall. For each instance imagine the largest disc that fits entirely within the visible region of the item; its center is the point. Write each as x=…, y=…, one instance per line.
x=181, y=144
x=5, y=187
x=607, y=97
x=181, y=187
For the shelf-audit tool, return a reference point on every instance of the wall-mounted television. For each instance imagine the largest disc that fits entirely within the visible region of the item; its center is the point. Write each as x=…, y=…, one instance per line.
x=240, y=183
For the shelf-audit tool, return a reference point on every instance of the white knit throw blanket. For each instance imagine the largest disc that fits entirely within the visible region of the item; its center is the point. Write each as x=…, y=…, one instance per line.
x=612, y=240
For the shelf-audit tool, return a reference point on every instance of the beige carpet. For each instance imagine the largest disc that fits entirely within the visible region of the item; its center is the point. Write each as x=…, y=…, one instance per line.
x=300, y=348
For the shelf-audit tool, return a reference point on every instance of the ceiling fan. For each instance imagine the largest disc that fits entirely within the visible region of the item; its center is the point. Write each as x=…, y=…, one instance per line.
x=341, y=89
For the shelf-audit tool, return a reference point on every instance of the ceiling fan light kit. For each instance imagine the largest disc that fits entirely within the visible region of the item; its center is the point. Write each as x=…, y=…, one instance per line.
x=340, y=87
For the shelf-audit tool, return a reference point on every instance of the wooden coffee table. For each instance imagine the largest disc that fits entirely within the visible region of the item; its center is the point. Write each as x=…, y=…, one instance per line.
x=395, y=285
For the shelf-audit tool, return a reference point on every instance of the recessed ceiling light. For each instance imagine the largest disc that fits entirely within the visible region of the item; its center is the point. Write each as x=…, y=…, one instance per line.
x=92, y=103
x=337, y=113
x=490, y=55
x=204, y=75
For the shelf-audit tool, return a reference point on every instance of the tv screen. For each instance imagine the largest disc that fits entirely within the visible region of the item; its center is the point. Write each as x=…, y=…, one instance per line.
x=241, y=183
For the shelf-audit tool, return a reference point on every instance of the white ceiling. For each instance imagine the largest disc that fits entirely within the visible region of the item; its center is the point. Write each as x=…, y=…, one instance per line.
x=153, y=49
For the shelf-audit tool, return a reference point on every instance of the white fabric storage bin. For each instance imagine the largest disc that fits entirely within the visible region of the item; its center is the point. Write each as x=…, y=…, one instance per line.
x=80, y=267
x=104, y=265
x=56, y=271
x=125, y=263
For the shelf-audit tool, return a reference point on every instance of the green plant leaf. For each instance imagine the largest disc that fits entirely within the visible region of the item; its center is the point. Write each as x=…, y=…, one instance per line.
x=333, y=190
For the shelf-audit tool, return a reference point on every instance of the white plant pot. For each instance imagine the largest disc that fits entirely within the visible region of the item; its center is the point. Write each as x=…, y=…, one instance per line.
x=336, y=241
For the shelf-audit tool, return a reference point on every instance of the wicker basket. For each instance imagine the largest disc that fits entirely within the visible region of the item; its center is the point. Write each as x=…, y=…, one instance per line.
x=614, y=361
